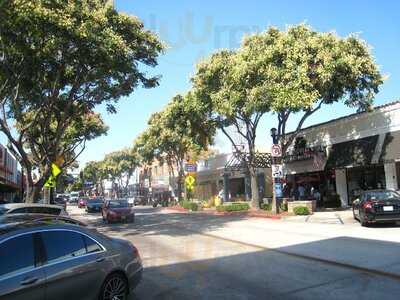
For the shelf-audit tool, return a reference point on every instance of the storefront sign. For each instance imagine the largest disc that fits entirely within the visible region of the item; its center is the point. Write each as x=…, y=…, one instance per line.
x=277, y=171
x=305, y=154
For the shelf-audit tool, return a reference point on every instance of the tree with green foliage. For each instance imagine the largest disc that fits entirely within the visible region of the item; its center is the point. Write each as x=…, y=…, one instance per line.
x=299, y=70
x=119, y=167
x=287, y=73
x=174, y=133
x=94, y=172
x=223, y=90
x=58, y=61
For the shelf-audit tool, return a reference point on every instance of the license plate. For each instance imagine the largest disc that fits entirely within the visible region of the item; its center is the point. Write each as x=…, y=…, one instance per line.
x=388, y=208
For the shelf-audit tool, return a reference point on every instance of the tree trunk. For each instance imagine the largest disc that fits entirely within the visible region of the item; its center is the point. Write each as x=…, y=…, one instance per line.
x=255, y=195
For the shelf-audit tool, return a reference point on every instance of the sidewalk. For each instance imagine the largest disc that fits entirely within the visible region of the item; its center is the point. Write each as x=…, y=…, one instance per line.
x=341, y=217
x=371, y=250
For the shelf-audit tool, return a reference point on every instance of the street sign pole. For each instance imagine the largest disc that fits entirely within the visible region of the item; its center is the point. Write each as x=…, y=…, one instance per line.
x=276, y=170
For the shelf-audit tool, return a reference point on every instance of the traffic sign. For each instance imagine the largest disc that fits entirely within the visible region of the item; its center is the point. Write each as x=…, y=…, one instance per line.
x=190, y=180
x=277, y=171
x=191, y=168
x=50, y=182
x=276, y=151
x=55, y=170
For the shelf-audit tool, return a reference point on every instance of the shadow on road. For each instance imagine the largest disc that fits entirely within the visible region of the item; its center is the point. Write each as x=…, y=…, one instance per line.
x=275, y=274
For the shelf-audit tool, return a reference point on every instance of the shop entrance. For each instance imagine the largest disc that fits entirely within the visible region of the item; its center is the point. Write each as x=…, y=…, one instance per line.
x=364, y=178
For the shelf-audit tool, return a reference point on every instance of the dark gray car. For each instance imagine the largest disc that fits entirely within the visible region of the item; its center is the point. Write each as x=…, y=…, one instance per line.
x=55, y=259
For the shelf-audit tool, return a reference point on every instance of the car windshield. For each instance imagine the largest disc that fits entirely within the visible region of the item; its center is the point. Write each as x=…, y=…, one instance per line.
x=118, y=204
x=382, y=195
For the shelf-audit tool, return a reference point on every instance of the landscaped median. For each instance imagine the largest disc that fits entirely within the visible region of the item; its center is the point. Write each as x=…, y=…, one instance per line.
x=226, y=209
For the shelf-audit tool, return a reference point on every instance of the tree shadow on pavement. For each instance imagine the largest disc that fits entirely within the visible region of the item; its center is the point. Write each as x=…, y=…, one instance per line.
x=280, y=273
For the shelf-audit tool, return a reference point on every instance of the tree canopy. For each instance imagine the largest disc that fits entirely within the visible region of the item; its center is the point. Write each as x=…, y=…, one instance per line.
x=283, y=72
x=58, y=61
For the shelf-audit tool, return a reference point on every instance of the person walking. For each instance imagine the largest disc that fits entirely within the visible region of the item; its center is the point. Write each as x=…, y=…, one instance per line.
x=302, y=192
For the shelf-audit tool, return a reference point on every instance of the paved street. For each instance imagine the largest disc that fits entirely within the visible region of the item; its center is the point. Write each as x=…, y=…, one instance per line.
x=209, y=257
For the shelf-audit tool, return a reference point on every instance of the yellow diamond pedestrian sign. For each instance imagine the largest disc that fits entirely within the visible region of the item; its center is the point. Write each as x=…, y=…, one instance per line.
x=50, y=182
x=189, y=181
x=55, y=170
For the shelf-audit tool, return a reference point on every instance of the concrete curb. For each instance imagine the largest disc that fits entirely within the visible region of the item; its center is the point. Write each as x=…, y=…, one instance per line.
x=252, y=214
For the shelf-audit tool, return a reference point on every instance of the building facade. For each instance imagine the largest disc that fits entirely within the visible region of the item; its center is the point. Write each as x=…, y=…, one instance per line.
x=210, y=180
x=347, y=155
x=10, y=176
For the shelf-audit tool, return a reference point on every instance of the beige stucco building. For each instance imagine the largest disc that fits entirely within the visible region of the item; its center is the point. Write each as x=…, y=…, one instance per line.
x=349, y=154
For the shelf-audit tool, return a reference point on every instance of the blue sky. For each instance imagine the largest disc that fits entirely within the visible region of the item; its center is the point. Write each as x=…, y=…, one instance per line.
x=194, y=29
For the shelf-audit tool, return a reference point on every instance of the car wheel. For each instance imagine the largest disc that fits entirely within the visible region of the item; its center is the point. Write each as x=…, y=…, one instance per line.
x=354, y=215
x=114, y=287
x=363, y=222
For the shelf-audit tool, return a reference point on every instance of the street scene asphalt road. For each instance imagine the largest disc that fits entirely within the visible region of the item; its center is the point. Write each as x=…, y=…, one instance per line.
x=197, y=256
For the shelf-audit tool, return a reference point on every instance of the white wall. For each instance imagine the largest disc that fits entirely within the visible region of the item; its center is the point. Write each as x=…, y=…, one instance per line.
x=391, y=176
x=341, y=186
x=381, y=120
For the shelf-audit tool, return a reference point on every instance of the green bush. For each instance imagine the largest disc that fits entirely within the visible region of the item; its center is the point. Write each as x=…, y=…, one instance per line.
x=301, y=210
x=266, y=206
x=189, y=205
x=233, y=207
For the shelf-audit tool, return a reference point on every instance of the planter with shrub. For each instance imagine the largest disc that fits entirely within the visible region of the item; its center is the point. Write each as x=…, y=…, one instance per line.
x=193, y=206
x=233, y=207
x=301, y=210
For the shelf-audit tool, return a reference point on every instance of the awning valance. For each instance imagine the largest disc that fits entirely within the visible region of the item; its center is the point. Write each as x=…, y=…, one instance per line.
x=352, y=153
x=391, y=147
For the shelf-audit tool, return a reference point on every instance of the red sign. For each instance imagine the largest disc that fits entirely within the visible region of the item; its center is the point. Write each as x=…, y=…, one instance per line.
x=276, y=151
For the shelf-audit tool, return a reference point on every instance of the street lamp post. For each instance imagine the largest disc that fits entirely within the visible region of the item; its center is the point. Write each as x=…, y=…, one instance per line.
x=274, y=160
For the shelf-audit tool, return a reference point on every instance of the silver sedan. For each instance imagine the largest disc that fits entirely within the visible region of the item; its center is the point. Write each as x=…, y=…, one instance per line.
x=57, y=259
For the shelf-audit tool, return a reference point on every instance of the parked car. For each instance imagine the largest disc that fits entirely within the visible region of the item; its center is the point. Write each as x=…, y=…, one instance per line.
x=82, y=202
x=61, y=201
x=140, y=200
x=55, y=260
x=94, y=205
x=31, y=208
x=376, y=206
x=73, y=197
x=117, y=210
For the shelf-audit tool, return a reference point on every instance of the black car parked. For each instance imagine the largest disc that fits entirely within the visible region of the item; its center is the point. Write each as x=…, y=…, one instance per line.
x=54, y=257
x=377, y=206
x=94, y=205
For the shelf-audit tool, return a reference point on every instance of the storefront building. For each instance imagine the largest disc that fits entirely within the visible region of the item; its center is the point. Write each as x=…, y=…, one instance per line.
x=212, y=174
x=344, y=156
x=10, y=177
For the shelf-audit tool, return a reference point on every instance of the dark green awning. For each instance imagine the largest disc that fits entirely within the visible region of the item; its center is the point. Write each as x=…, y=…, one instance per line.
x=352, y=153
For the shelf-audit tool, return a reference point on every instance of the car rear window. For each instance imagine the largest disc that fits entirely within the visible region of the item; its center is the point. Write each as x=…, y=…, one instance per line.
x=383, y=195
x=97, y=201
x=117, y=204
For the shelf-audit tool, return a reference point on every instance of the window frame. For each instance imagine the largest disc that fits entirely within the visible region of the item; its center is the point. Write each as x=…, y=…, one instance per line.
x=36, y=255
x=40, y=259
x=46, y=263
